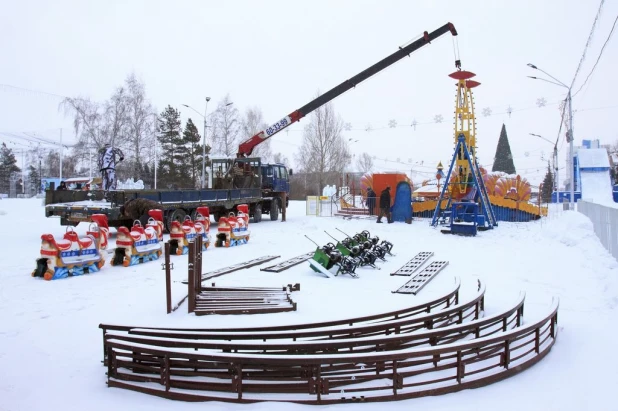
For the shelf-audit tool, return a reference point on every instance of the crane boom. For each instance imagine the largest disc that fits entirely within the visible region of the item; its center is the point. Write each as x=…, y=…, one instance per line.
x=246, y=147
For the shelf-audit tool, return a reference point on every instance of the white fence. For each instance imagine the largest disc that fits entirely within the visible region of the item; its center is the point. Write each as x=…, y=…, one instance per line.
x=605, y=222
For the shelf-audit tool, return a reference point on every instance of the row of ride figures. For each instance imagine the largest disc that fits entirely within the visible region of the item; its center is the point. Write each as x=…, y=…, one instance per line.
x=72, y=255
x=347, y=255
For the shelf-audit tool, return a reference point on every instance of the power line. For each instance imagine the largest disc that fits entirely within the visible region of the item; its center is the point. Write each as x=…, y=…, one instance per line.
x=598, y=58
x=5, y=86
x=594, y=24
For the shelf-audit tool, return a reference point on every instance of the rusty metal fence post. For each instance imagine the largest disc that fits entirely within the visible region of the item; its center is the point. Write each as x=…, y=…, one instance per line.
x=198, y=264
x=168, y=279
x=191, y=275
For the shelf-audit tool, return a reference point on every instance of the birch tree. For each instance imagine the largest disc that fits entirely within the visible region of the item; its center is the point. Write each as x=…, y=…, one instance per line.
x=226, y=130
x=364, y=163
x=140, y=125
x=323, y=150
x=252, y=123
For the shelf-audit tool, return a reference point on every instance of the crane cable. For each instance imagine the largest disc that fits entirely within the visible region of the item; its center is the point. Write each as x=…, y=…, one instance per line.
x=456, y=52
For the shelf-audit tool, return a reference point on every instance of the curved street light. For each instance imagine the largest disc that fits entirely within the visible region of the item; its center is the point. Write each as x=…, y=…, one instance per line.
x=555, y=163
x=204, y=116
x=570, y=135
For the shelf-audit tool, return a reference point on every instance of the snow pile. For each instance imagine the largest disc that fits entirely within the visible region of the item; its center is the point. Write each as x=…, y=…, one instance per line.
x=597, y=187
x=572, y=229
x=130, y=184
x=2, y=212
x=593, y=157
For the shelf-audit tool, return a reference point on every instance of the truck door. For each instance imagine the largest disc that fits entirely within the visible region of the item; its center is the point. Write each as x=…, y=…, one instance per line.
x=267, y=177
x=282, y=183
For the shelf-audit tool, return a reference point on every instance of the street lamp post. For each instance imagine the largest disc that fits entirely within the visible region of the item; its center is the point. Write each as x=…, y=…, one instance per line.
x=156, y=147
x=570, y=134
x=205, y=116
x=204, y=145
x=555, y=164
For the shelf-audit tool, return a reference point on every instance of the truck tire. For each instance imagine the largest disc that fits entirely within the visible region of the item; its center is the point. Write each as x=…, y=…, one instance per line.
x=176, y=215
x=218, y=214
x=257, y=213
x=274, y=210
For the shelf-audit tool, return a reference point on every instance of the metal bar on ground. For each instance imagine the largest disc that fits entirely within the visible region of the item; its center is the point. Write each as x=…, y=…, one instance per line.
x=284, y=265
x=414, y=285
x=236, y=267
x=414, y=264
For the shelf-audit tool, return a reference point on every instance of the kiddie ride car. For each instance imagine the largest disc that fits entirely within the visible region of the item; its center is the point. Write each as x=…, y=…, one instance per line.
x=70, y=255
x=182, y=234
x=234, y=229
x=139, y=244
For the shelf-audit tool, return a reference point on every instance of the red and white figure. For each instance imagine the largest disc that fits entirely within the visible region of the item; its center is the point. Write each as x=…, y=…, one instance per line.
x=137, y=245
x=234, y=229
x=70, y=255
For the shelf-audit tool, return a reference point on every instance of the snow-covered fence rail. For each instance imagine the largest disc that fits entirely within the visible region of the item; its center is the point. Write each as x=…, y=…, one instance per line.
x=605, y=222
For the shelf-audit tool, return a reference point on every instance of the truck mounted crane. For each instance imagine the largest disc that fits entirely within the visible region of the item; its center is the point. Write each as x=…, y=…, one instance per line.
x=243, y=180
x=246, y=147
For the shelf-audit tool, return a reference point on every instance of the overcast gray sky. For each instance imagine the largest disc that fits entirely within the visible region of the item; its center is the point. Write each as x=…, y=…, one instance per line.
x=277, y=54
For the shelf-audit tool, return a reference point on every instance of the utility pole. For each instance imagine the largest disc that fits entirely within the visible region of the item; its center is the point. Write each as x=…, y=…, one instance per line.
x=156, y=147
x=204, y=146
x=556, y=172
x=40, y=176
x=61, y=150
x=23, y=172
x=571, y=138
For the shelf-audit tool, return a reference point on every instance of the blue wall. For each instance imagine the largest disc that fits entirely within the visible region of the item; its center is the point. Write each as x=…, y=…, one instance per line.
x=565, y=195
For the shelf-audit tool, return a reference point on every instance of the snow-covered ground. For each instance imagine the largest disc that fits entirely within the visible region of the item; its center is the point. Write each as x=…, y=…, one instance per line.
x=51, y=346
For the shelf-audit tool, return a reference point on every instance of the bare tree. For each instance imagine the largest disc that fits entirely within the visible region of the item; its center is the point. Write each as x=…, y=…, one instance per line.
x=87, y=122
x=140, y=124
x=253, y=123
x=226, y=130
x=323, y=150
x=116, y=118
x=364, y=163
x=125, y=121
x=97, y=124
x=280, y=158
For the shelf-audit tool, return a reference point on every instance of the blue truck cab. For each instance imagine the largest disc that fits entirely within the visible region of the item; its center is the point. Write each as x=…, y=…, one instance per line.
x=275, y=179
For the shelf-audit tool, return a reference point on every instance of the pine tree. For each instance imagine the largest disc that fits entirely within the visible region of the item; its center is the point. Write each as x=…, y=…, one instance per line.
x=548, y=186
x=503, y=160
x=8, y=165
x=192, y=140
x=169, y=136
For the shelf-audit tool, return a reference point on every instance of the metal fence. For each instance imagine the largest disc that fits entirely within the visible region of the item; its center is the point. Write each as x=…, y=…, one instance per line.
x=605, y=222
x=320, y=206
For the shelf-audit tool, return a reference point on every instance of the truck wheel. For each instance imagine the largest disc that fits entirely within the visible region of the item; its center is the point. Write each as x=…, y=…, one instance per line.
x=177, y=215
x=257, y=214
x=274, y=209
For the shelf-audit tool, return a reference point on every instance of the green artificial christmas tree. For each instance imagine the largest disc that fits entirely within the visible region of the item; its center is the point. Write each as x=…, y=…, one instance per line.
x=503, y=160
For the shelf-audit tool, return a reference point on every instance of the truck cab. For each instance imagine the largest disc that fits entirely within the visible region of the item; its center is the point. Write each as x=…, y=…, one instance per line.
x=275, y=179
